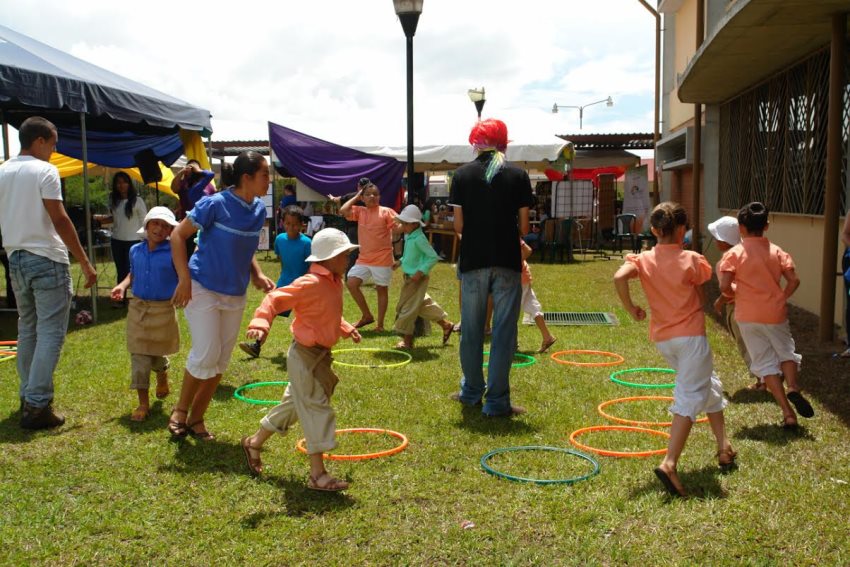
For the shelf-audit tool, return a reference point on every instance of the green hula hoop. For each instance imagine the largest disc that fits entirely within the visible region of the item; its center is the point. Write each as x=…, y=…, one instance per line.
x=616, y=380
x=529, y=360
x=238, y=393
x=5, y=358
x=407, y=355
x=573, y=480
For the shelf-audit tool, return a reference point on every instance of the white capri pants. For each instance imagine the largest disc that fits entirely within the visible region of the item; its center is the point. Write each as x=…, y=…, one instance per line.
x=769, y=346
x=529, y=304
x=214, y=320
x=698, y=389
x=379, y=275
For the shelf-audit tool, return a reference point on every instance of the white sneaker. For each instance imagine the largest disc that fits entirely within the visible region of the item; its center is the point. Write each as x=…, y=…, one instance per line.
x=845, y=354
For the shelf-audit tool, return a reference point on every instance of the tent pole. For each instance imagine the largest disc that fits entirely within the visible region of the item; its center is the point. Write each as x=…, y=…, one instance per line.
x=87, y=209
x=5, y=136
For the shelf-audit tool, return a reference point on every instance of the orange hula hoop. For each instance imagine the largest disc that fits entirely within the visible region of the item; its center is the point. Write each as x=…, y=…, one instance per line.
x=621, y=454
x=364, y=456
x=8, y=343
x=617, y=358
x=600, y=408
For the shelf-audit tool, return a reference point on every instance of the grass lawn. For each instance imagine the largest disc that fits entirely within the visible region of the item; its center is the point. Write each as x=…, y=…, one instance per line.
x=102, y=490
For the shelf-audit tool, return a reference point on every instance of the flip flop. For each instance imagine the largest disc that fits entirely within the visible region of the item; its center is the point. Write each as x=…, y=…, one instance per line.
x=668, y=483
x=801, y=404
x=447, y=333
x=546, y=344
x=363, y=322
x=332, y=485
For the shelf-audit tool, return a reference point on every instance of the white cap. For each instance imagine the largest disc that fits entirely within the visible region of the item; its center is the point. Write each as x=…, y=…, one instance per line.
x=327, y=243
x=725, y=229
x=157, y=213
x=411, y=213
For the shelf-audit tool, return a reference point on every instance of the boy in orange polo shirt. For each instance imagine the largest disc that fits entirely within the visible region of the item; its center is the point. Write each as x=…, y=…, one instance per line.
x=755, y=267
x=375, y=226
x=316, y=299
x=672, y=280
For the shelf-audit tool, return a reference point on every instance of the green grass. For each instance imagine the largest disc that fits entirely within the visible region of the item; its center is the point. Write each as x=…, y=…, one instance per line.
x=101, y=490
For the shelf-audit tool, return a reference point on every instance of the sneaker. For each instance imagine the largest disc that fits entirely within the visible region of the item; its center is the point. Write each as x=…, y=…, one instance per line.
x=40, y=418
x=251, y=349
x=845, y=354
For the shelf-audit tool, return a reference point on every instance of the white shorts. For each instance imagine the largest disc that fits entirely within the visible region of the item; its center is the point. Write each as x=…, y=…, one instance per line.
x=531, y=308
x=214, y=320
x=697, y=387
x=769, y=346
x=381, y=275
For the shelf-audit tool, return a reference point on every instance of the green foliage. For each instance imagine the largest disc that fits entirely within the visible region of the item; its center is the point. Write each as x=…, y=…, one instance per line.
x=102, y=490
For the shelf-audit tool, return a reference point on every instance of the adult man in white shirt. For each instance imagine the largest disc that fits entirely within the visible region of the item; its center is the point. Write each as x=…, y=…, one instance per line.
x=37, y=235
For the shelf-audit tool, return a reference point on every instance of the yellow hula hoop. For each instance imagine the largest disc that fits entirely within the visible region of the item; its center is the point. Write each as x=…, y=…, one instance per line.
x=407, y=355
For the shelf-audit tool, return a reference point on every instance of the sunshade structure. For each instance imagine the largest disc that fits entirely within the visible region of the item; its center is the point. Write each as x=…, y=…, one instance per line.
x=103, y=118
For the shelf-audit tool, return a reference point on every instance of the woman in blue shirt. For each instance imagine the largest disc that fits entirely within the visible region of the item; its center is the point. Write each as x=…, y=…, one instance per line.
x=212, y=284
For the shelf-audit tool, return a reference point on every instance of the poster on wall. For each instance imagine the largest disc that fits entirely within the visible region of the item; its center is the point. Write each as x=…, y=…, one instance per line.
x=636, y=192
x=264, y=238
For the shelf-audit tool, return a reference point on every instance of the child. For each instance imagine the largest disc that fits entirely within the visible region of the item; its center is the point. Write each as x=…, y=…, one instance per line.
x=672, y=280
x=755, y=268
x=152, y=331
x=530, y=306
x=374, y=233
x=317, y=300
x=416, y=263
x=726, y=235
x=292, y=248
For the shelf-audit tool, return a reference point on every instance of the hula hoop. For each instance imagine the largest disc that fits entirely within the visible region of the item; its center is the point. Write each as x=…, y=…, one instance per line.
x=600, y=409
x=407, y=355
x=616, y=380
x=572, y=480
x=364, y=456
x=529, y=360
x=8, y=352
x=238, y=393
x=8, y=343
x=5, y=358
x=617, y=358
x=621, y=454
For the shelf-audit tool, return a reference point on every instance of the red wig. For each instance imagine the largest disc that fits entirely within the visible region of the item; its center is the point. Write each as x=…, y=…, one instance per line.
x=490, y=133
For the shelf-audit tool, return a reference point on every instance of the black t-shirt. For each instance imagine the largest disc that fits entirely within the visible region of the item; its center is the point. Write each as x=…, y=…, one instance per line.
x=490, y=214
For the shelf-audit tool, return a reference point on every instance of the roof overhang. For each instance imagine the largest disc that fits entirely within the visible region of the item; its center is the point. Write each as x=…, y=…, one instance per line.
x=755, y=40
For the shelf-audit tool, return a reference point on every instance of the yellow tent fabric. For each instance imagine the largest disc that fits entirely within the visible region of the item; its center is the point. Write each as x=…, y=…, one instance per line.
x=69, y=167
x=193, y=148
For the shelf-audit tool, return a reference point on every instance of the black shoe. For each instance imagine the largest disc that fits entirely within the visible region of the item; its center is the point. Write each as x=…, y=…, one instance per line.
x=251, y=349
x=801, y=404
x=40, y=418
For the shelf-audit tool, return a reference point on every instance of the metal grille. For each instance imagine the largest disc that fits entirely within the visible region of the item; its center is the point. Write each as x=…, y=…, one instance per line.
x=589, y=318
x=773, y=141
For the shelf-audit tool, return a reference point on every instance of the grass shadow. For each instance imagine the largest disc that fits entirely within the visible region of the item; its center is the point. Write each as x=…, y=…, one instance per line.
x=472, y=420
x=157, y=420
x=195, y=456
x=298, y=501
x=774, y=434
x=700, y=484
x=279, y=360
x=747, y=396
x=224, y=392
x=11, y=432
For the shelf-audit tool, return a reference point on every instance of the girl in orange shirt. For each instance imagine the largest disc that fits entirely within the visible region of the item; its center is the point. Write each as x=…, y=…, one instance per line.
x=672, y=280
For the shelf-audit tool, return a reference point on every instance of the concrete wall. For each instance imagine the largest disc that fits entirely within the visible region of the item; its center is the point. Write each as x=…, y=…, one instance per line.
x=684, y=49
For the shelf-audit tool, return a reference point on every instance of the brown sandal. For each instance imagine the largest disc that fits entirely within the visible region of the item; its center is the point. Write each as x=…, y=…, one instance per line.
x=177, y=428
x=255, y=465
x=199, y=435
x=330, y=485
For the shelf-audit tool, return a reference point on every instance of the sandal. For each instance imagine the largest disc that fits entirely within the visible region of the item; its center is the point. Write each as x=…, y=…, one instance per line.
x=162, y=389
x=726, y=458
x=447, y=333
x=255, y=465
x=199, y=435
x=402, y=345
x=670, y=480
x=177, y=428
x=546, y=344
x=330, y=485
x=363, y=322
x=140, y=413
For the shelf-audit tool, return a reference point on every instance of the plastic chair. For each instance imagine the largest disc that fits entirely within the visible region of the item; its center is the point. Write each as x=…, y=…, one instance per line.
x=623, y=229
x=549, y=239
x=565, y=239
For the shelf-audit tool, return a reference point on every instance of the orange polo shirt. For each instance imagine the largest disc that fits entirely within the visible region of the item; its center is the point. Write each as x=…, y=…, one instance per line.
x=374, y=234
x=757, y=266
x=670, y=277
x=316, y=299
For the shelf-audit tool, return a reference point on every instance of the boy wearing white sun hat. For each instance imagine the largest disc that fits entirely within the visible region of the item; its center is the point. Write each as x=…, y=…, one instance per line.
x=416, y=263
x=316, y=301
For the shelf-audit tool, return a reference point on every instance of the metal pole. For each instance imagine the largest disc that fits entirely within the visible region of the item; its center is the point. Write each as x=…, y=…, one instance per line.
x=5, y=137
x=655, y=133
x=833, y=177
x=696, y=225
x=411, y=190
x=87, y=209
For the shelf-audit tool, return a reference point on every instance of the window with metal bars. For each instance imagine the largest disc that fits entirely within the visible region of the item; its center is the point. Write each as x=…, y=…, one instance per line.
x=773, y=141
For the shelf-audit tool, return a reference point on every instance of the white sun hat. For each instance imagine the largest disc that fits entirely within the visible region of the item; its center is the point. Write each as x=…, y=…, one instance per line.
x=327, y=243
x=725, y=229
x=157, y=213
x=411, y=213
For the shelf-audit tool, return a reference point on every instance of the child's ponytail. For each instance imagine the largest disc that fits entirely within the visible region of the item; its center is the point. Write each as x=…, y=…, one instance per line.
x=667, y=216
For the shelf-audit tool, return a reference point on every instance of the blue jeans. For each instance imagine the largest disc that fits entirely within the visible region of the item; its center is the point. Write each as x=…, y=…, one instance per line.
x=476, y=285
x=43, y=290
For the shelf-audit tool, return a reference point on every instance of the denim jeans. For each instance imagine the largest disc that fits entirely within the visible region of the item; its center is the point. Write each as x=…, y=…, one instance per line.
x=43, y=289
x=505, y=286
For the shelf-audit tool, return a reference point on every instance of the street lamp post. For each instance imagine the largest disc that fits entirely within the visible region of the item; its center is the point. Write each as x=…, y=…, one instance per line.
x=408, y=12
x=608, y=102
x=477, y=97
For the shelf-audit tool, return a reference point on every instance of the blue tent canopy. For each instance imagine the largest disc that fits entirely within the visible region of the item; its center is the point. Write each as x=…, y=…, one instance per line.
x=36, y=78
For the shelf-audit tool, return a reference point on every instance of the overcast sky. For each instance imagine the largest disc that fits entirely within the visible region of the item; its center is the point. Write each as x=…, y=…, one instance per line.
x=335, y=69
